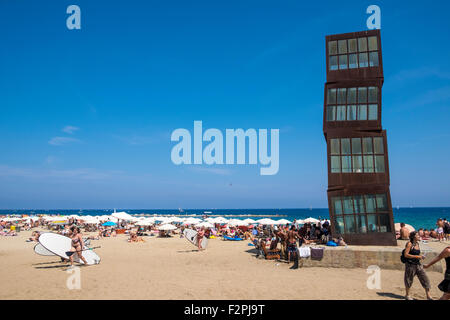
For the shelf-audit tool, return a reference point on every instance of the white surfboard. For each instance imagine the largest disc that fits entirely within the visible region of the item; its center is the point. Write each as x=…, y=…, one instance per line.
x=191, y=236
x=40, y=250
x=60, y=245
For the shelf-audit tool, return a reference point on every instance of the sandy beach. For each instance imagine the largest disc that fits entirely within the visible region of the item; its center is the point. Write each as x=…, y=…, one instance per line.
x=172, y=268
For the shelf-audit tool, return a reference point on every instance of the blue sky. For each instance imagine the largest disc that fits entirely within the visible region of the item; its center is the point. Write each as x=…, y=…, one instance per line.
x=86, y=115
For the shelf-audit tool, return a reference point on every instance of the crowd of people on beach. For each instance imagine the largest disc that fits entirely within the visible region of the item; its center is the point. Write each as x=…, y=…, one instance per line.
x=287, y=242
x=440, y=233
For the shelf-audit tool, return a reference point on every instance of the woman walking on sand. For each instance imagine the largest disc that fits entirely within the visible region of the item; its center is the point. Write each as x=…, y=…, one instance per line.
x=200, y=235
x=445, y=284
x=413, y=266
x=77, y=245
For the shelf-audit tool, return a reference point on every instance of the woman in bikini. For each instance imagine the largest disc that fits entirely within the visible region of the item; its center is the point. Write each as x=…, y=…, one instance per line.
x=200, y=235
x=77, y=245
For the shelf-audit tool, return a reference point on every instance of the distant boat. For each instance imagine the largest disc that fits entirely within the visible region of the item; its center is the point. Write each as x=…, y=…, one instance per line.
x=207, y=212
x=180, y=210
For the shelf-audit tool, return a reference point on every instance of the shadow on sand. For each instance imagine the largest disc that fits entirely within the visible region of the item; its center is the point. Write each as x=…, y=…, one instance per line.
x=391, y=295
x=185, y=251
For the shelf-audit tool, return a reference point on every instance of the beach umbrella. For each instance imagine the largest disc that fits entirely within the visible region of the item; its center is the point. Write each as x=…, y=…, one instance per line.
x=90, y=220
x=9, y=219
x=237, y=222
x=249, y=221
x=109, y=224
x=283, y=221
x=144, y=223
x=174, y=219
x=166, y=227
x=220, y=220
x=266, y=221
x=407, y=226
x=191, y=221
x=205, y=224
x=122, y=216
x=310, y=220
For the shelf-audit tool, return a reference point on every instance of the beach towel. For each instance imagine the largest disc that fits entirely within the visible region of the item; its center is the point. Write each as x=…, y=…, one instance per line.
x=304, y=252
x=317, y=253
x=331, y=244
x=232, y=238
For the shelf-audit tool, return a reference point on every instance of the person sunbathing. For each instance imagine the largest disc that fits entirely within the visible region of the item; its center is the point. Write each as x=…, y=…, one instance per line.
x=247, y=235
x=135, y=238
x=433, y=234
x=421, y=234
x=34, y=236
x=340, y=242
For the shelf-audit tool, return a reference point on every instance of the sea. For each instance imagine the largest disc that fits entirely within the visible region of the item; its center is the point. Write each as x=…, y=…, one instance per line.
x=418, y=217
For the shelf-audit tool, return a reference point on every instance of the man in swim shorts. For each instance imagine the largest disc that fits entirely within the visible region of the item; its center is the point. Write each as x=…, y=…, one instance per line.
x=292, y=242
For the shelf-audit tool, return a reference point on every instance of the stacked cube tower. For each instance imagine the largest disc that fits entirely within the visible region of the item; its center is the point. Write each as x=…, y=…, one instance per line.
x=358, y=169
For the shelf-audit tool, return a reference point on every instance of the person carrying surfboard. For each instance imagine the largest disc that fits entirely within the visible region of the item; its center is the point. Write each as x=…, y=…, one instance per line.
x=200, y=234
x=77, y=245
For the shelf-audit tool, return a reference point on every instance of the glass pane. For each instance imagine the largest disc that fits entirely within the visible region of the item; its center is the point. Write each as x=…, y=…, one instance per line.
x=340, y=116
x=370, y=203
x=332, y=47
x=359, y=204
x=385, y=225
x=379, y=163
x=343, y=62
x=351, y=95
x=342, y=46
x=373, y=112
x=362, y=44
x=381, y=202
x=335, y=164
x=361, y=224
x=362, y=95
x=345, y=144
x=333, y=63
x=368, y=164
x=334, y=146
x=353, y=61
x=373, y=94
x=363, y=60
x=367, y=146
x=339, y=225
x=348, y=205
x=356, y=145
x=341, y=95
x=331, y=96
x=351, y=112
x=378, y=145
x=357, y=164
x=373, y=43
x=352, y=45
x=346, y=164
x=362, y=112
x=350, y=226
x=337, y=204
x=372, y=222
x=331, y=113
x=373, y=59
